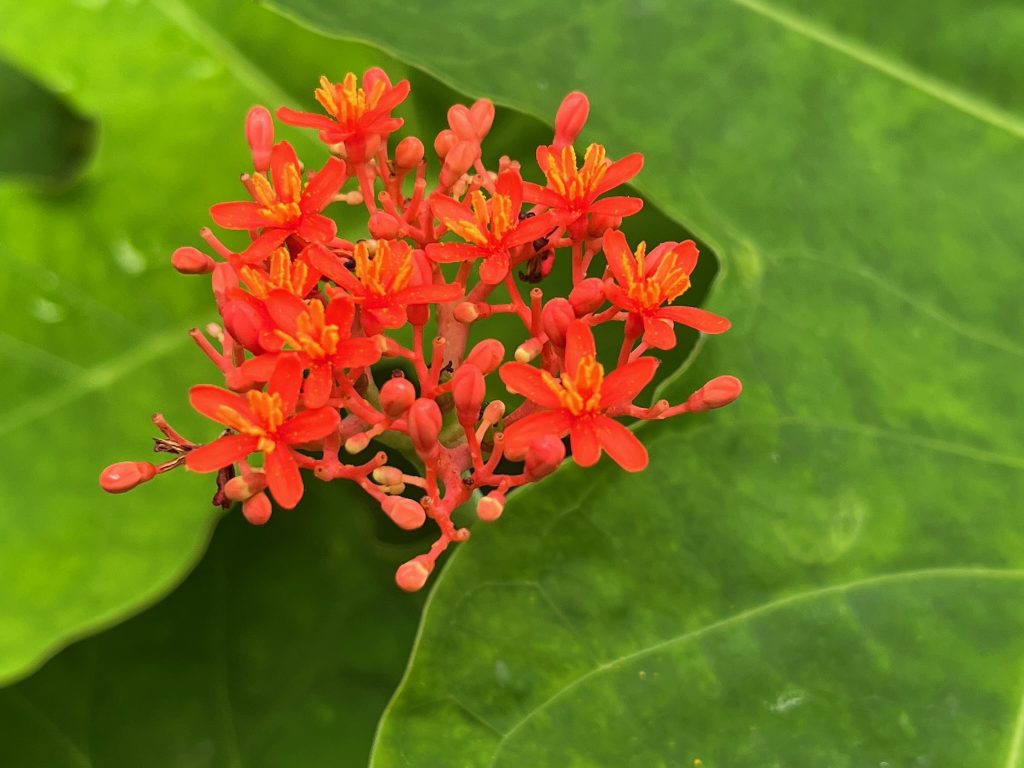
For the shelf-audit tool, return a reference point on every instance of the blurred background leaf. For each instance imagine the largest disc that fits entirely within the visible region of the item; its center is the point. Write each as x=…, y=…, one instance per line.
x=42, y=139
x=829, y=572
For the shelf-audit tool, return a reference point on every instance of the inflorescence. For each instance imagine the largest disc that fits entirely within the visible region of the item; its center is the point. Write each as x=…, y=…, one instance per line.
x=307, y=314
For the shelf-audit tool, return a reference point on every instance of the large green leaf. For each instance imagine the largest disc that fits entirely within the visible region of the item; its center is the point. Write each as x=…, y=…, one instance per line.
x=49, y=141
x=829, y=573
x=280, y=649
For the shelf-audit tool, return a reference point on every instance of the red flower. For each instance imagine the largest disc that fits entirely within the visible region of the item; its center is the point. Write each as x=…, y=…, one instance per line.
x=359, y=117
x=491, y=230
x=323, y=337
x=295, y=276
x=385, y=282
x=572, y=193
x=284, y=206
x=646, y=281
x=262, y=421
x=580, y=403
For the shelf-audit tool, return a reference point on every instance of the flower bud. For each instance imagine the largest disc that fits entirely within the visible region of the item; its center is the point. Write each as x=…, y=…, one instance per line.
x=587, y=295
x=490, y=507
x=466, y=312
x=544, y=456
x=444, y=142
x=405, y=513
x=529, y=349
x=468, y=392
x=244, y=323
x=494, y=411
x=245, y=486
x=555, y=317
x=259, y=134
x=191, y=261
x=125, y=475
x=383, y=226
x=570, y=119
x=718, y=392
x=418, y=314
x=411, y=576
x=397, y=394
x=408, y=153
x=424, y=425
x=387, y=475
x=357, y=443
x=481, y=114
x=459, y=160
x=487, y=355
x=257, y=509
x=461, y=123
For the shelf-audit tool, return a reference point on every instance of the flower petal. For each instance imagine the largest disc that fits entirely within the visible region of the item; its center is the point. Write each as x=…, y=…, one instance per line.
x=703, y=321
x=625, y=383
x=316, y=390
x=317, y=229
x=659, y=333
x=284, y=308
x=494, y=268
x=356, y=353
x=586, y=449
x=621, y=171
x=281, y=157
x=447, y=253
x=220, y=453
x=308, y=426
x=616, y=206
x=620, y=258
x=208, y=400
x=523, y=379
x=305, y=119
x=621, y=444
x=534, y=193
x=531, y=229
x=323, y=185
x=520, y=434
x=579, y=343
x=283, y=476
x=429, y=294
x=286, y=381
x=238, y=215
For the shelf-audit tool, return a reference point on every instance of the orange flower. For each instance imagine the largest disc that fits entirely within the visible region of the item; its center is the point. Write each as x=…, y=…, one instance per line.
x=646, y=281
x=263, y=422
x=580, y=403
x=360, y=118
x=491, y=228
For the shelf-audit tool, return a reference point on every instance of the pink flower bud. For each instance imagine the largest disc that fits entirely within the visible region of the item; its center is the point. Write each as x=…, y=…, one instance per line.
x=408, y=153
x=570, y=119
x=125, y=475
x=424, y=425
x=555, y=317
x=259, y=133
x=387, y=475
x=357, y=443
x=459, y=160
x=257, y=510
x=494, y=411
x=411, y=576
x=490, y=507
x=383, y=226
x=587, y=296
x=544, y=456
x=529, y=349
x=487, y=355
x=245, y=486
x=481, y=114
x=191, y=261
x=397, y=394
x=718, y=392
x=461, y=123
x=468, y=392
x=466, y=312
x=444, y=142
x=405, y=513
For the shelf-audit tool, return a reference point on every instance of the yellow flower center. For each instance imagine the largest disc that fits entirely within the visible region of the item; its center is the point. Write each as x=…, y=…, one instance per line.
x=497, y=217
x=579, y=393
x=667, y=282
x=346, y=102
x=384, y=271
x=280, y=200
x=268, y=410
x=284, y=274
x=576, y=186
x=313, y=335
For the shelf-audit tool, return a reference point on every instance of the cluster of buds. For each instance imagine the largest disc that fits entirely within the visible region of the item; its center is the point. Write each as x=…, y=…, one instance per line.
x=307, y=316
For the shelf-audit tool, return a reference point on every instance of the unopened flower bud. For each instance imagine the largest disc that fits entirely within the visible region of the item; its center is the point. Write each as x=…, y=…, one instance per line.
x=223, y=280
x=570, y=119
x=405, y=513
x=411, y=576
x=387, y=475
x=444, y=142
x=259, y=134
x=481, y=114
x=418, y=314
x=487, y=355
x=459, y=160
x=245, y=486
x=125, y=475
x=424, y=425
x=468, y=392
x=718, y=392
x=544, y=456
x=555, y=317
x=587, y=295
x=466, y=312
x=490, y=507
x=244, y=323
x=397, y=394
x=191, y=261
x=529, y=349
x=599, y=223
x=383, y=226
x=408, y=153
x=461, y=123
x=257, y=510
x=357, y=443
x=494, y=411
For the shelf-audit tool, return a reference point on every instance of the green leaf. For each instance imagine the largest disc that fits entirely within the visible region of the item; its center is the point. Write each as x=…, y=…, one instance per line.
x=49, y=141
x=280, y=649
x=829, y=572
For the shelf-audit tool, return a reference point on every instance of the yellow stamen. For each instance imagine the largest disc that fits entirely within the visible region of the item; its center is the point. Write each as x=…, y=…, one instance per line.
x=313, y=335
x=580, y=392
x=384, y=272
x=346, y=102
x=667, y=282
x=284, y=274
x=576, y=185
x=268, y=410
x=282, y=206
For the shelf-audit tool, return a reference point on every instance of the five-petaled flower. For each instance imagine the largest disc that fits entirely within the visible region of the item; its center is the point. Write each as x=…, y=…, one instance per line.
x=644, y=282
x=284, y=206
x=360, y=118
x=491, y=228
x=580, y=403
x=572, y=192
x=262, y=422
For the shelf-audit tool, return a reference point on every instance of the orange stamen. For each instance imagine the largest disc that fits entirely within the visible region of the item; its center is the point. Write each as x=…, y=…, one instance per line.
x=576, y=185
x=346, y=102
x=668, y=281
x=268, y=410
x=313, y=335
x=579, y=393
x=384, y=272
